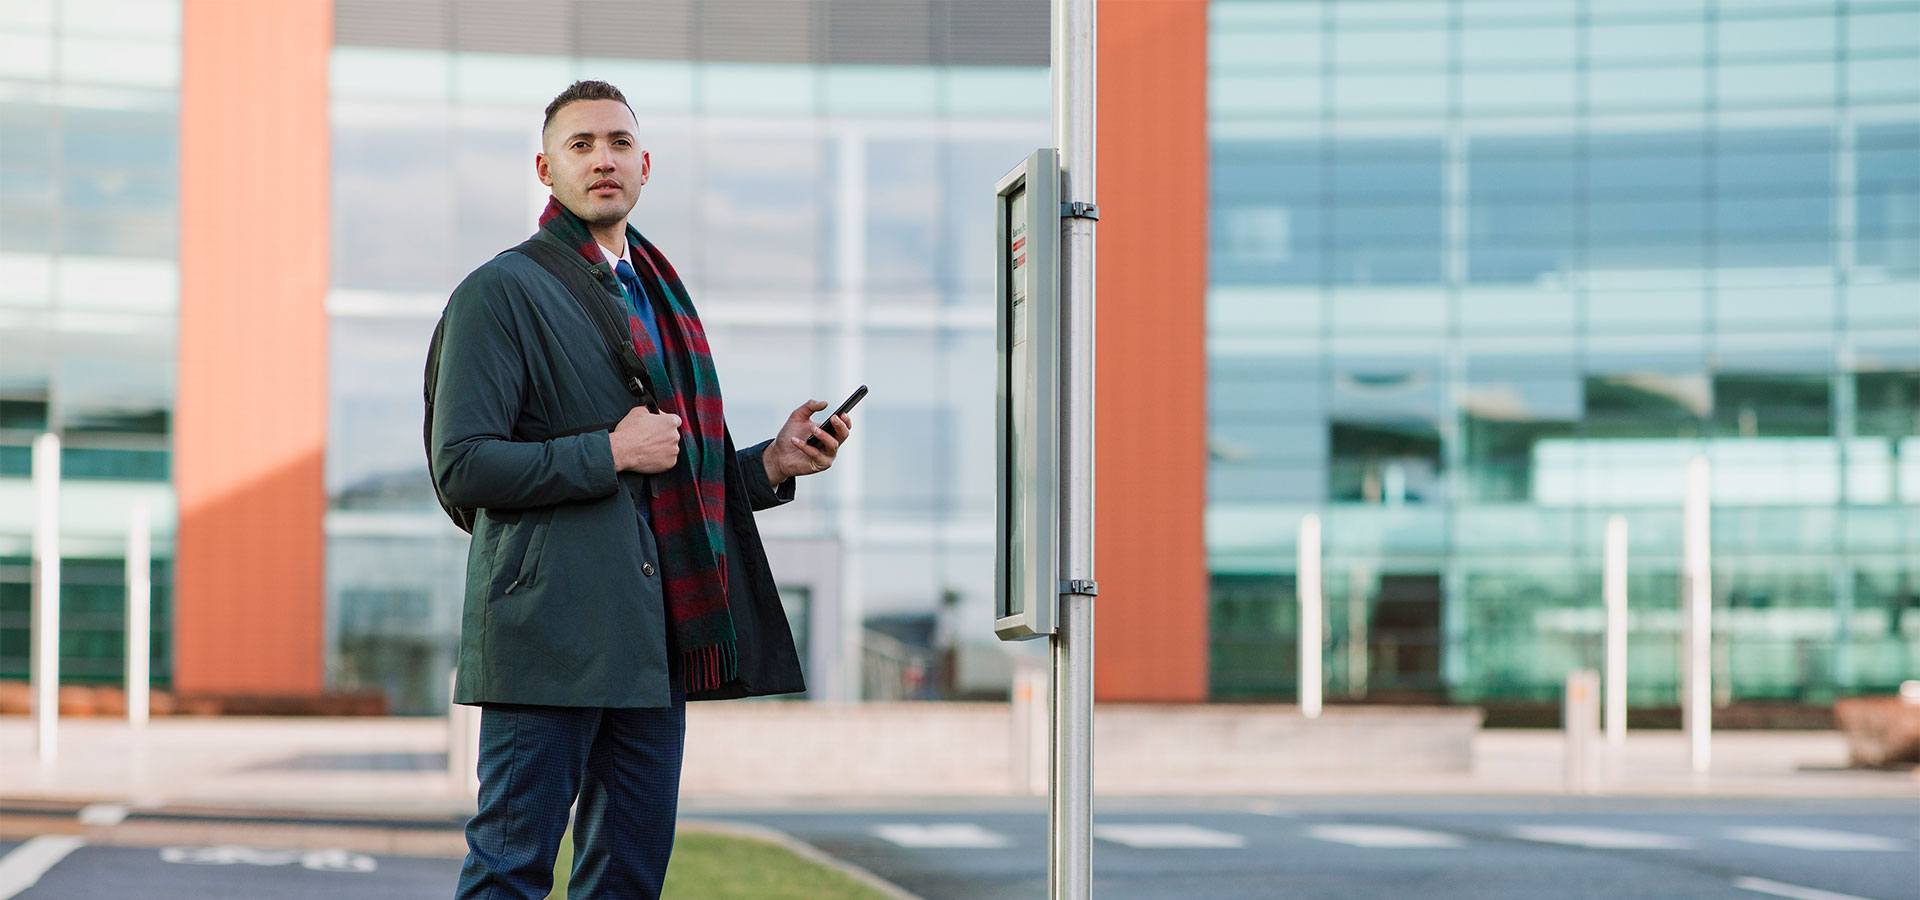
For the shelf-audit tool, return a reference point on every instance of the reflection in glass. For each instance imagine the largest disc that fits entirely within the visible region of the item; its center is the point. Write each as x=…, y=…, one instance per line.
x=1598, y=275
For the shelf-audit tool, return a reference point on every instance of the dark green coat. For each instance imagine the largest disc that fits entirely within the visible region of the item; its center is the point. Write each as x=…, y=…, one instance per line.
x=563, y=604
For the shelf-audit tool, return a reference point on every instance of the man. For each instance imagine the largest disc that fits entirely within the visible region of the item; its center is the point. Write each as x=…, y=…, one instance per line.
x=615, y=570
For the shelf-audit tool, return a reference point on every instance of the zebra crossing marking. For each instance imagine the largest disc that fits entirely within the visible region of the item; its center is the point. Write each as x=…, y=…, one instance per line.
x=1814, y=839
x=1600, y=838
x=947, y=836
x=1782, y=889
x=1385, y=836
x=1169, y=837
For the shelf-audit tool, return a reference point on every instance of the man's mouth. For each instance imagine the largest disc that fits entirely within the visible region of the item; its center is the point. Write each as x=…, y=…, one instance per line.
x=604, y=184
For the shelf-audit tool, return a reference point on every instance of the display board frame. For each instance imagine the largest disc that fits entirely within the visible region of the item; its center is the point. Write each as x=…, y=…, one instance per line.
x=1027, y=428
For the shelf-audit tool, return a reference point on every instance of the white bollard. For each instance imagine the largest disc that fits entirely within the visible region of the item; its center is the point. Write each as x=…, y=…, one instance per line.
x=1614, y=589
x=1028, y=753
x=463, y=744
x=1307, y=589
x=1580, y=719
x=45, y=625
x=456, y=737
x=139, y=616
x=1697, y=612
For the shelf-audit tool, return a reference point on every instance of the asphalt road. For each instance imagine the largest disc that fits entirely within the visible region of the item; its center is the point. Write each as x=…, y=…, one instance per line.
x=1404, y=847
x=230, y=871
x=1424, y=847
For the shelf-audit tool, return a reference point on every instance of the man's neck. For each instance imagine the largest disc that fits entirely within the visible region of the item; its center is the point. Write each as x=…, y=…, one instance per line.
x=613, y=237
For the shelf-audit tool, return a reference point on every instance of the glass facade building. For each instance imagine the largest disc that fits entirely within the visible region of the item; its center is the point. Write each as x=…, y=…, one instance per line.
x=820, y=178
x=1486, y=273
x=1482, y=274
x=89, y=290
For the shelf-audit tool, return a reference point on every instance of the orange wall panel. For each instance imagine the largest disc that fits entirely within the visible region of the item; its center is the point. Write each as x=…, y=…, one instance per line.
x=1150, y=632
x=251, y=411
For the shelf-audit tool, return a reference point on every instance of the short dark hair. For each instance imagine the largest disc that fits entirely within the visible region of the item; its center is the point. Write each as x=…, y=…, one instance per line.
x=583, y=90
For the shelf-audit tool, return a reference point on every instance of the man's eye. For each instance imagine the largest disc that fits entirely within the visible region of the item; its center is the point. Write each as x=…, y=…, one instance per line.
x=624, y=142
x=578, y=144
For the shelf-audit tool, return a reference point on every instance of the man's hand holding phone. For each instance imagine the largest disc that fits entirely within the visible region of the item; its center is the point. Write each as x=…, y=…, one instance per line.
x=805, y=448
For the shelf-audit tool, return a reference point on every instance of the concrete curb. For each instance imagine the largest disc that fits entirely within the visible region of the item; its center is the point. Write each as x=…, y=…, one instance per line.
x=140, y=830
x=803, y=850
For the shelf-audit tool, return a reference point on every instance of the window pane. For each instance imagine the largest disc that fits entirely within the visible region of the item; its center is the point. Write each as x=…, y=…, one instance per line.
x=903, y=218
x=374, y=456
x=1771, y=405
x=388, y=180
x=1888, y=403
x=763, y=209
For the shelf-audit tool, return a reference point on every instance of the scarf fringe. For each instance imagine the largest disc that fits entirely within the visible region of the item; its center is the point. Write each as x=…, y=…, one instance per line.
x=707, y=668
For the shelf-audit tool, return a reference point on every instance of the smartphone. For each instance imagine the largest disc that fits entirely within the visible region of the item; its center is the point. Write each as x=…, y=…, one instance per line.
x=853, y=400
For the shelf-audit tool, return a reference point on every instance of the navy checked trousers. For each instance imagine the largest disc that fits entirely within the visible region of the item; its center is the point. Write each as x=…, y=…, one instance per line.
x=622, y=764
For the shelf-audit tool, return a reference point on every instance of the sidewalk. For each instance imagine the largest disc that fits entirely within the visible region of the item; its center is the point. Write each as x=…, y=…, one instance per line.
x=396, y=768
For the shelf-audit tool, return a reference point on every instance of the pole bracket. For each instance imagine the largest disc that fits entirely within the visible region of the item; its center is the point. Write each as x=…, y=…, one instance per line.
x=1086, y=587
x=1079, y=209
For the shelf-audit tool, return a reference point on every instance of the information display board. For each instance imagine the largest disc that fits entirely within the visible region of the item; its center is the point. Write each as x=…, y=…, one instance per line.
x=1026, y=567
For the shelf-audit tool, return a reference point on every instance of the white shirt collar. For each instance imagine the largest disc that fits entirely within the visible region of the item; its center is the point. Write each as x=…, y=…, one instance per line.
x=613, y=259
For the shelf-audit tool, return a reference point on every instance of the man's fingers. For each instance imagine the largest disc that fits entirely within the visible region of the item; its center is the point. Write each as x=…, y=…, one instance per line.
x=827, y=441
x=814, y=455
x=844, y=425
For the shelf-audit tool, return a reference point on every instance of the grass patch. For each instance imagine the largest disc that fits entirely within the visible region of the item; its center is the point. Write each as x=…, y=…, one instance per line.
x=713, y=866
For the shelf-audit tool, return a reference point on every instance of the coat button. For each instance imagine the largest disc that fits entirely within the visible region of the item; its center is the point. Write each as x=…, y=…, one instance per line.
x=646, y=569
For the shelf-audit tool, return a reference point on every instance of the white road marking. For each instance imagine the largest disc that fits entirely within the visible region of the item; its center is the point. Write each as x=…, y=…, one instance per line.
x=1384, y=836
x=103, y=814
x=1778, y=889
x=23, y=867
x=235, y=854
x=1600, y=838
x=958, y=836
x=1814, y=839
x=1268, y=808
x=1166, y=837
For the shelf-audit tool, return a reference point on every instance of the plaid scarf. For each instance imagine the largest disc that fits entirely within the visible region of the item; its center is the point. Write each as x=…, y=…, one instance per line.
x=689, y=501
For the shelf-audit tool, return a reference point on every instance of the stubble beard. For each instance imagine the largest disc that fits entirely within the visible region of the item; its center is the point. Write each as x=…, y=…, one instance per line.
x=596, y=213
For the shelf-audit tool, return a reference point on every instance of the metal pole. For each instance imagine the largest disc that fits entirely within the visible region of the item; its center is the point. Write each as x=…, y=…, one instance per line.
x=1615, y=591
x=1307, y=591
x=1070, y=805
x=139, y=615
x=1698, y=698
x=46, y=597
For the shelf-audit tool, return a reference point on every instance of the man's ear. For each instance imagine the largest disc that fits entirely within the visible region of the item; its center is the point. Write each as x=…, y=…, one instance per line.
x=546, y=177
x=646, y=165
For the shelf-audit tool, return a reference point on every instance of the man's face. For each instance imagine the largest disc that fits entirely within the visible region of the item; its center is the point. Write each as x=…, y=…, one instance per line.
x=593, y=161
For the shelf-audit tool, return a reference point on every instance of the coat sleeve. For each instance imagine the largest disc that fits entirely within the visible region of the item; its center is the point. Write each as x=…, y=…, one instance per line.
x=761, y=492
x=481, y=386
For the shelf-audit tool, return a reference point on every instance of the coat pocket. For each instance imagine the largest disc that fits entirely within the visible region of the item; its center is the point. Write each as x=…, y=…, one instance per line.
x=520, y=549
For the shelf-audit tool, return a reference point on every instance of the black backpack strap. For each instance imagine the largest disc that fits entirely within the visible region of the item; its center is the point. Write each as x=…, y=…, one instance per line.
x=573, y=273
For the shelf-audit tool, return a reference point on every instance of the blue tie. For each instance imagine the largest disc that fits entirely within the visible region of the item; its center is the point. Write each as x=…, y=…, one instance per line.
x=637, y=302
x=637, y=305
